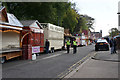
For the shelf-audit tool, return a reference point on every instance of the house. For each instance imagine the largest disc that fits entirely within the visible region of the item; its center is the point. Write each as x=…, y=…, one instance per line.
x=95, y=35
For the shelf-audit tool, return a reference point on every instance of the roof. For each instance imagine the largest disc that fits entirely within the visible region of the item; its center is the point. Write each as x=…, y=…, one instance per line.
x=34, y=25
x=3, y=14
x=1, y=8
x=27, y=22
x=11, y=19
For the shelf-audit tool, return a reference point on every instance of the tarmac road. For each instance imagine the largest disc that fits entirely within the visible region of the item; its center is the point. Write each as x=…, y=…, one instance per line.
x=53, y=65
x=104, y=66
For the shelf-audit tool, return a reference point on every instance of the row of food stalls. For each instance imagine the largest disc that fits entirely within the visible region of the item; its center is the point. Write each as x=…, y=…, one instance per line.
x=19, y=38
x=87, y=37
x=82, y=39
x=24, y=38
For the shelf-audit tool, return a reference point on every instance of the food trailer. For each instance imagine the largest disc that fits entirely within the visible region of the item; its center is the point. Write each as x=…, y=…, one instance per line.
x=55, y=35
x=10, y=36
x=83, y=40
x=32, y=38
x=78, y=40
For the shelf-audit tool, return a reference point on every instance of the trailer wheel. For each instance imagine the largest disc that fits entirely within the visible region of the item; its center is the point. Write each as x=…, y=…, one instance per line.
x=2, y=60
x=52, y=50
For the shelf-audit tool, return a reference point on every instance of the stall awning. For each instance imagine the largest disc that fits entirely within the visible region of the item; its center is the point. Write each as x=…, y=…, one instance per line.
x=10, y=27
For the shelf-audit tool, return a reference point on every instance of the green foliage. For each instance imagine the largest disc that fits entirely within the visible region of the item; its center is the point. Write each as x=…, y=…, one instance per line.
x=58, y=13
x=70, y=20
x=113, y=32
x=90, y=21
x=84, y=23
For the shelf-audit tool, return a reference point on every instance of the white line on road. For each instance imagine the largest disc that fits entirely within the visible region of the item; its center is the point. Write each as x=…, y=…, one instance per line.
x=52, y=56
x=35, y=60
x=62, y=75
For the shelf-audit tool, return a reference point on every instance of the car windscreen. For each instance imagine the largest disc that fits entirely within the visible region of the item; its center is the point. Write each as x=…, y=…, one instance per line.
x=101, y=41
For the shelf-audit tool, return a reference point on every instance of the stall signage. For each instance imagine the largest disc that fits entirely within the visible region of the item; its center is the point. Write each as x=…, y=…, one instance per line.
x=56, y=28
x=35, y=49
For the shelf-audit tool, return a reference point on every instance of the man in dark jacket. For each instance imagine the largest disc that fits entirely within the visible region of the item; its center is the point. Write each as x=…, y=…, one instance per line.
x=47, y=44
x=112, y=45
x=115, y=44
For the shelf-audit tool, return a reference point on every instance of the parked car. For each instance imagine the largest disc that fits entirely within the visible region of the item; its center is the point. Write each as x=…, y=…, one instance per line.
x=102, y=44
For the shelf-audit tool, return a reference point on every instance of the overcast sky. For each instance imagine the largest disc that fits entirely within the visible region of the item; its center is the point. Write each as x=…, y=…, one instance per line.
x=104, y=12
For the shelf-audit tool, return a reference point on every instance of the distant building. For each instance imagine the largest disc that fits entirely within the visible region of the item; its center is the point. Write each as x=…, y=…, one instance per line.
x=96, y=35
x=86, y=33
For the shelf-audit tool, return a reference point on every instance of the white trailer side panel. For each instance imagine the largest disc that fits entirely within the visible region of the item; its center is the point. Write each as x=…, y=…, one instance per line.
x=55, y=35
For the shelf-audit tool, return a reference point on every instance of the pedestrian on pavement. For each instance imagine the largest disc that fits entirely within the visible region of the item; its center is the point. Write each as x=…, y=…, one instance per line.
x=112, y=45
x=74, y=46
x=68, y=45
x=114, y=42
x=47, y=44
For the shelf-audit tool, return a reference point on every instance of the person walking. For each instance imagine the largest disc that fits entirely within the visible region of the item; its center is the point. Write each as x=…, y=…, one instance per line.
x=114, y=42
x=112, y=45
x=47, y=44
x=74, y=46
x=68, y=45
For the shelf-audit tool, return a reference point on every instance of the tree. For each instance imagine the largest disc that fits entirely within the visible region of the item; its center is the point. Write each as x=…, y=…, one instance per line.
x=70, y=19
x=59, y=13
x=84, y=23
x=81, y=25
x=90, y=21
x=113, y=32
x=61, y=9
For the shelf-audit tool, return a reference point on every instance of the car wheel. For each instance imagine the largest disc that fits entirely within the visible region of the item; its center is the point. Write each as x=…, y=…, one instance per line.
x=96, y=49
x=107, y=49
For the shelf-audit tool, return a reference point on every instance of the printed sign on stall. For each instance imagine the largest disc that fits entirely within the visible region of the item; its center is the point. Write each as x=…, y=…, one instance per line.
x=35, y=49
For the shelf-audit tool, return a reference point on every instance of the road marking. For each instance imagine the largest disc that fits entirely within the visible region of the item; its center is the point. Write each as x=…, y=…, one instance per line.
x=52, y=56
x=63, y=74
x=30, y=62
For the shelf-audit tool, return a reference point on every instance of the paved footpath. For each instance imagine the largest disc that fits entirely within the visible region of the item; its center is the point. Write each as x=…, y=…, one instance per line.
x=104, y=65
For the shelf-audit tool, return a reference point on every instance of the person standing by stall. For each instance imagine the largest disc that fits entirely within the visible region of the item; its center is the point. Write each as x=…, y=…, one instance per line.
x=74, y=46
x=47, y=44
x=68, y=45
